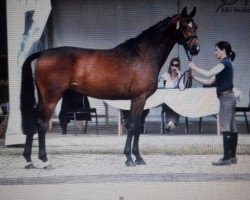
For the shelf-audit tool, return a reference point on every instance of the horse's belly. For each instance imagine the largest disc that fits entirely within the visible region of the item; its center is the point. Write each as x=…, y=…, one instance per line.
x=109, y=93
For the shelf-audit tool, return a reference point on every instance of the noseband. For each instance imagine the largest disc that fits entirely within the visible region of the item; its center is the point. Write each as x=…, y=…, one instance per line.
x=185, y=40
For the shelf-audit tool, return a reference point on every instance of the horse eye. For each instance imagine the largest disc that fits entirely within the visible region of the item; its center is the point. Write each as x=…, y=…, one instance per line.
x=184, y=28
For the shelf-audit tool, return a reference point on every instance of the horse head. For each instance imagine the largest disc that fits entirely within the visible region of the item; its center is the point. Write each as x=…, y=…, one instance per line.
x=186, y=31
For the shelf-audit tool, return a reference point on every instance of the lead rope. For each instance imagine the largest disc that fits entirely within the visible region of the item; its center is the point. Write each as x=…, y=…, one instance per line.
x=186, y=77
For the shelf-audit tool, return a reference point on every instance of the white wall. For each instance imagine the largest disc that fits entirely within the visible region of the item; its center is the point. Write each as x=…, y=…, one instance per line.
x=105, y=24
x=16, y=10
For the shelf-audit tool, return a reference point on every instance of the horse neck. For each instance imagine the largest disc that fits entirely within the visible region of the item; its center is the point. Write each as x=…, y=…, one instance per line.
x=164, y=51
x=160, y=43
x=159, y=52
x=154, y=44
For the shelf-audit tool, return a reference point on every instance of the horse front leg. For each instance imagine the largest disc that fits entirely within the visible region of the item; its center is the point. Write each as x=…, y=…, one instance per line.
x=139, y=130
x=134, y=125
x=135, y=149
x=139, y=160
x=127, y=149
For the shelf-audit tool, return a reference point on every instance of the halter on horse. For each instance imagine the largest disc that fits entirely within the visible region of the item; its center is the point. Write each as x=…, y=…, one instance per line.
x=127, y=71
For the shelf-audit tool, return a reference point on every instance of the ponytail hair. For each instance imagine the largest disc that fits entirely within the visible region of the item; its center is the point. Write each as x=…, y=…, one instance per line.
x=232, y=55
x=227, y=46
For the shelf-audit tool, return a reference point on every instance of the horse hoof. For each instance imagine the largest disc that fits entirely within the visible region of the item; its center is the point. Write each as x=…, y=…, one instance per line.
x=30, y=165
x=47, y=165
x=130, y=163
x=140, y=162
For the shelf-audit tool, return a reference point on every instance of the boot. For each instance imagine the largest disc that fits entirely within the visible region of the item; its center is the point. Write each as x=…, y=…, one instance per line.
x=226, y=160
x=234, y=143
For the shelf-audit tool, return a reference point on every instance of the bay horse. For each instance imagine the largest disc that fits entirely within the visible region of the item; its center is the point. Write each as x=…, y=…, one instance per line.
x=128, y=71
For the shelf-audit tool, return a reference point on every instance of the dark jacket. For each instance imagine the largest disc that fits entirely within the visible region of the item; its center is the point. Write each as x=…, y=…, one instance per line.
x=224, y=79
x=73, y=102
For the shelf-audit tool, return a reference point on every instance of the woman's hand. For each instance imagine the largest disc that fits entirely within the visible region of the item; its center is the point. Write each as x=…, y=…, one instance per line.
x=175, y=70
x=191, y=65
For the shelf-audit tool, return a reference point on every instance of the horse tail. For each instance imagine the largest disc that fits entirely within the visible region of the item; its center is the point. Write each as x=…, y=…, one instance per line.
x=29, y=112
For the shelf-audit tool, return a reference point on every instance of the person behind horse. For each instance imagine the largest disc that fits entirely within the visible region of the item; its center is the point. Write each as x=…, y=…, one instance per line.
x=171, y=78
x=73, y=102
x=222, y=76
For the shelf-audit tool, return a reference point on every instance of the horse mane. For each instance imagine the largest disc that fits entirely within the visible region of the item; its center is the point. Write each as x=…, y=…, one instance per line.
x=147, y=35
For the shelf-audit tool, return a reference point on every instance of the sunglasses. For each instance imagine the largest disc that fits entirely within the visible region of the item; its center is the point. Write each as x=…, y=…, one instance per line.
x=175, y=65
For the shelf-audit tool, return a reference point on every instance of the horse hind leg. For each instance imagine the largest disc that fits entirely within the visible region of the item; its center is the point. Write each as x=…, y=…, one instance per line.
x=42, y=154
x=29, y=141
x=43, y=122
x=42, y=128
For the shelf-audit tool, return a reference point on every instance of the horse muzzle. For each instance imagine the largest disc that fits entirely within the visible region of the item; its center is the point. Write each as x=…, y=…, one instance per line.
x=194, y=50
x=191, y=44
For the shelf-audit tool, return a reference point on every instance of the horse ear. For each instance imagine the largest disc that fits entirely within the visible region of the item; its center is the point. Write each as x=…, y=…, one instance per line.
x=184, y=12
x=192, y=14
